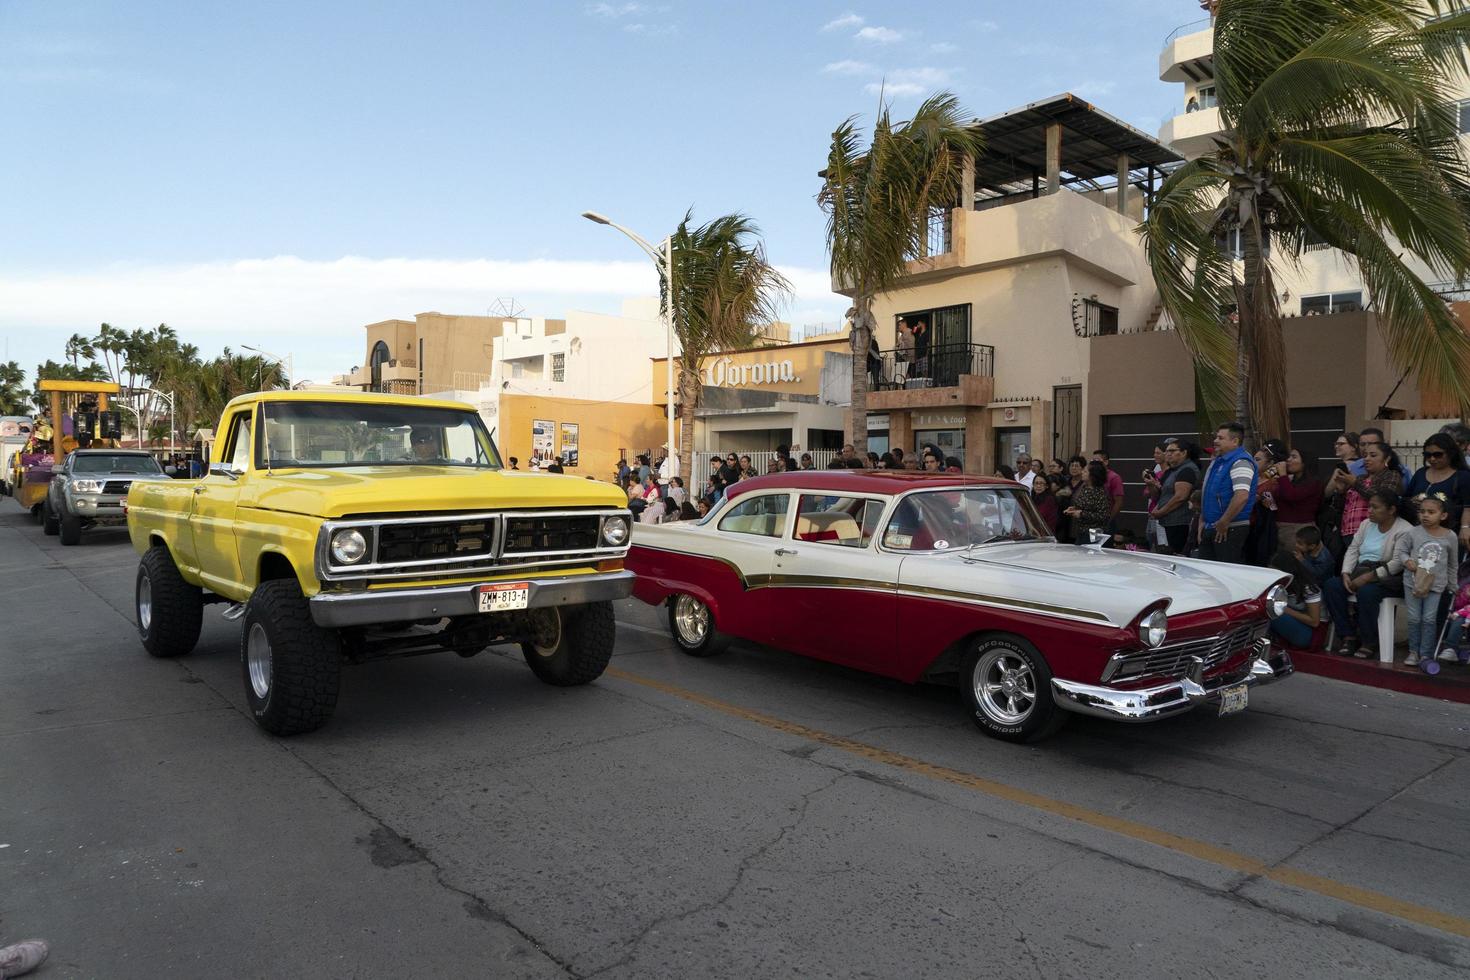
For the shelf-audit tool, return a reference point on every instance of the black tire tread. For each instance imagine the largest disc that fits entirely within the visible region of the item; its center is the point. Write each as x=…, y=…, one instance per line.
x=49, y=524
x=306, y=665
x=71, y=529
x=588, y=634
x=715, y=642
x=178, y=607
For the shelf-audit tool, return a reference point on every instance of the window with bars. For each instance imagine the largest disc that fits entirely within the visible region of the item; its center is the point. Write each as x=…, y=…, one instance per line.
x=558, y=367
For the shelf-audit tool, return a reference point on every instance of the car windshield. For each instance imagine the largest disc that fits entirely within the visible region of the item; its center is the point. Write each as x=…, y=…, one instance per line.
x=121, y=463
x=352, y=433
x=945, y=520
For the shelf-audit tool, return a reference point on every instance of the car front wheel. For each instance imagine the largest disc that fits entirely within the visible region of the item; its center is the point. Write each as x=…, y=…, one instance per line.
x=1007, y=688
x=71, y=528
x=170, y=611
x=291, y=666
x=693, y=626
x=572, y=645
x=49, y=524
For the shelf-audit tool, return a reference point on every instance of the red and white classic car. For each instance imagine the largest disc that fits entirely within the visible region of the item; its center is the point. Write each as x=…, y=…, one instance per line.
x=930, y=577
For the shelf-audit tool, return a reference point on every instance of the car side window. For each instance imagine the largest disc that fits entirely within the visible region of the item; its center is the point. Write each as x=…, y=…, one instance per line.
x=848, y=522
x=238, y=454
x=764, y=515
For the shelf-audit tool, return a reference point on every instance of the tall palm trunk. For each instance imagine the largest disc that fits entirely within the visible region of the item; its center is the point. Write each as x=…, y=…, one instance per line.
x=688, y=384
x=1261, y=385
x=862, y=332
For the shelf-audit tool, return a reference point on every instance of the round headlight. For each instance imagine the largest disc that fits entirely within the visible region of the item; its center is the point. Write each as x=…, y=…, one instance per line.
x=615, y=530
x=1276, y=599
x=348, y=546
x=1153, y=628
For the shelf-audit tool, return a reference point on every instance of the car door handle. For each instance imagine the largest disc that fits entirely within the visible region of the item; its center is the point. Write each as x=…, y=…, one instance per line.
x=199, y=489
x=785, y=551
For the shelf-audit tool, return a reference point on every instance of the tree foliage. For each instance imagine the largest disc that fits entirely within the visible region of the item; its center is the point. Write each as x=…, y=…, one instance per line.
x=724, y=290
x=13, y=395
x=878, y=199
x=1340, y=123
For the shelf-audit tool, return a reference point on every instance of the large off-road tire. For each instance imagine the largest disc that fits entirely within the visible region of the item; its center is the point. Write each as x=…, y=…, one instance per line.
x=1006, y=685
x=71, y=529
x=575, y=646
x=692, y=624
x=291, y=666
x=169, y=610
x=49, y=524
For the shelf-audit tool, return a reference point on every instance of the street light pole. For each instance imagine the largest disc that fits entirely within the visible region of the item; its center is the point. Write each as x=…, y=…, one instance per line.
x=290, y=374
x=663, y=259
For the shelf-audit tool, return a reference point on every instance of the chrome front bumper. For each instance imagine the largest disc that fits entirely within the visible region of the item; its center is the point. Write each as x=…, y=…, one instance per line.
x=1175, y=697
x=97, y=507
x=365, y=607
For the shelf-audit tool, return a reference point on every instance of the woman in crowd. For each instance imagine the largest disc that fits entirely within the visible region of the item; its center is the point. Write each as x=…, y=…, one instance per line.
x=1179, y=481
x=1345, y=448
x=635, y=497
x=1043, y=495
x=1370, y=571
x=1261, y=542
x=1303, y=604
x=1442, y=474
x=1380, y=472
x=1298, y=495
x=677, y=492
x=1091, y=508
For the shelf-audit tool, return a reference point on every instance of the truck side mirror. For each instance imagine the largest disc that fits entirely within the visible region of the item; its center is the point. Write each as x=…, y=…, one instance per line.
x=223, y=469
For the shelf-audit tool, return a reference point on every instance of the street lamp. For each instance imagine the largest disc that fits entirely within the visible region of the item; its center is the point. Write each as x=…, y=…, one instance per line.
x=663, y=259
x=139, y=413
x=290, y=374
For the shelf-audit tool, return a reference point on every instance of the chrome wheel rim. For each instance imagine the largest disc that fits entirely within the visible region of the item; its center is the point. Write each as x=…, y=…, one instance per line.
x=258, y=660
x=145, y=601
x=548, y=633
x=691, y=620
x=1005, y=686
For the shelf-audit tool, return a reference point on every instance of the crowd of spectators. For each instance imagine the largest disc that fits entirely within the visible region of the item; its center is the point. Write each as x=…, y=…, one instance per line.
x=1367, y=530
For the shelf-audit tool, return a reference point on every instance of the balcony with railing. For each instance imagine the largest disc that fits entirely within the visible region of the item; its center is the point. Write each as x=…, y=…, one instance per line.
x=917, y=378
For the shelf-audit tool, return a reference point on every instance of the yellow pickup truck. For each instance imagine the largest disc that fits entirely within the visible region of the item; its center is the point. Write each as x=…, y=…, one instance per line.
x=346, y=527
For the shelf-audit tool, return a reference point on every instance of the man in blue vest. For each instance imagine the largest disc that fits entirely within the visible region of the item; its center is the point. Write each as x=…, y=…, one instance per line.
x=1226, y=499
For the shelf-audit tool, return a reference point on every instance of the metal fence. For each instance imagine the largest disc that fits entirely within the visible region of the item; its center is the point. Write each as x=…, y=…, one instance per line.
x=704, y=463
x=940, y=367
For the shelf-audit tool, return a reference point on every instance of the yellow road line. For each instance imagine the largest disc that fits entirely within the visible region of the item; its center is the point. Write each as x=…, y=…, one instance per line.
x=1200, y=850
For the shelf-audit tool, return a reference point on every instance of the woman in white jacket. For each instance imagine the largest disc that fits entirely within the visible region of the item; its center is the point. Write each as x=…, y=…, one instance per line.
x=1371, y=571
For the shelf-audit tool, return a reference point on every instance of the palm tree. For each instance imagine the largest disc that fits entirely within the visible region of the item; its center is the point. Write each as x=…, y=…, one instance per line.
x=878, y=200
x=1340, y=123
x=78, y=347
x=724, y=290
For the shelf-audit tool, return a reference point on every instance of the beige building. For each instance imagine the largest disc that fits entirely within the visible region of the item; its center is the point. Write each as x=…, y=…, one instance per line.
x=432, y=352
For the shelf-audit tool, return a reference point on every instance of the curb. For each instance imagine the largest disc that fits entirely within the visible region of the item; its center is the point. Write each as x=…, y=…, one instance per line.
x=1452, y=683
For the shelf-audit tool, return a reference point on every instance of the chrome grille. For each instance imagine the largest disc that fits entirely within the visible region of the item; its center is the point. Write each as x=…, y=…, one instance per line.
x=423, y=542
x=116, y=486
x=470, y=544
x=1176, y=659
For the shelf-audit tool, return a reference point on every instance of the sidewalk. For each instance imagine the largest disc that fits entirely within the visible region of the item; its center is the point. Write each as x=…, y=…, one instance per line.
x=1452, y=683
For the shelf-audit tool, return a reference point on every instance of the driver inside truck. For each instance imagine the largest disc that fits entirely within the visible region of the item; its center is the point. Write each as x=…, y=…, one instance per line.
x=427, y=442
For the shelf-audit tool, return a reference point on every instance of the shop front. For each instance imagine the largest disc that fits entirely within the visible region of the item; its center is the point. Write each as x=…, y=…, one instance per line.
x=979, y=436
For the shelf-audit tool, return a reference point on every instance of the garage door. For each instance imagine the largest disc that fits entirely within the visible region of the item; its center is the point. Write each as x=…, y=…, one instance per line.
x=1130, y=441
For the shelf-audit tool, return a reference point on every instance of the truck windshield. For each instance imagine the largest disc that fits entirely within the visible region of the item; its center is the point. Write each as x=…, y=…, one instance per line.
x=121, y=463
x=367, y=434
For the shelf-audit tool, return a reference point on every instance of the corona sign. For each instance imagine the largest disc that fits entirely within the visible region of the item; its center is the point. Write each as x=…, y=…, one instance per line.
x=726, y=373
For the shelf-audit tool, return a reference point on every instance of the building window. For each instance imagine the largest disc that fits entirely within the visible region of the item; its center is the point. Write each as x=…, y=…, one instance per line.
x=380, y=356
x=558, y=367
x=1205, y=95
x=1098, y=319
x=1332, y=303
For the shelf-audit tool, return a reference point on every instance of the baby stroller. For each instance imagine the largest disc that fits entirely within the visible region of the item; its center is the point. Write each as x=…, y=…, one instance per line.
x=1456, y=626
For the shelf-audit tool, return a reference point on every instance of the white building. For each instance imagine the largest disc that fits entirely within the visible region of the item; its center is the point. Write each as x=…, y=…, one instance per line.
x=1326, y=281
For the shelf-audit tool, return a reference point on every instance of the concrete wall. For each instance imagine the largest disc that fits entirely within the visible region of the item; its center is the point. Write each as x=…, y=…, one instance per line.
x=1330, y=360
x=603, y=429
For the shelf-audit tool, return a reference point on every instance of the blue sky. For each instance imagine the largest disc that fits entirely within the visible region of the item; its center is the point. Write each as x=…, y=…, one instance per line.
x=283, y=173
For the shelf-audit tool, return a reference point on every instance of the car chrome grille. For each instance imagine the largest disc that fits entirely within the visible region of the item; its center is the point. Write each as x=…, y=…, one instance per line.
x=535, y=536
x=116, y=486
x=422, y=542
x=1176, y=659
x=471, y=544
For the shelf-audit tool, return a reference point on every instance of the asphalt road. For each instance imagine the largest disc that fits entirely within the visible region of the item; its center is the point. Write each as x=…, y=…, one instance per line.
x=752, y=815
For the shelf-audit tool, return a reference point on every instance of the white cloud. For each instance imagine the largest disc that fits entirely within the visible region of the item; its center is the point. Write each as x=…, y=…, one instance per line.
x=899, y=90
x=650, y=30
x=848, y=68
x=847, y=20
x=612, y=11
x=878, y=35
x=985, y=26
x=312, y=309
x=943, y=47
